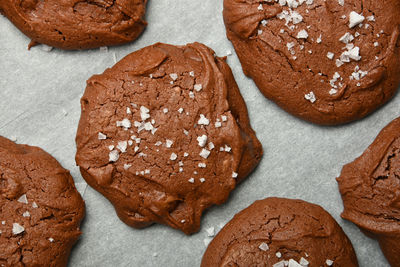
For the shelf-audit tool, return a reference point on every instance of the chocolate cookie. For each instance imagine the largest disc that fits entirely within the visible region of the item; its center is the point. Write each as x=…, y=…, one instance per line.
x=75, y=24
x=165, y=134
x=370, y=188
x=40, y=208
x=280, y=232
x=328, y=62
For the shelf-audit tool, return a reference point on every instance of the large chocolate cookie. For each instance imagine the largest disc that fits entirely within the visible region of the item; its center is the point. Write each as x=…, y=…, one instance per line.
x=40, y=208
x=328, y=62
x=370, y=188
x=77, y=24
x=280, y=232
x=165, y=134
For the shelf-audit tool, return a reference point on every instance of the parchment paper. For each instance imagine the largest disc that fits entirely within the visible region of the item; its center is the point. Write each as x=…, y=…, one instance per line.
x=39, y=105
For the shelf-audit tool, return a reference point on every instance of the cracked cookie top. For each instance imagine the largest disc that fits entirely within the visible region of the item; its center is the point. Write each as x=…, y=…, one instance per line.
x=279, y=232
x=164, y=134
x=328, y=62
x=40, y=208
x=77, y=24
x=370, y=188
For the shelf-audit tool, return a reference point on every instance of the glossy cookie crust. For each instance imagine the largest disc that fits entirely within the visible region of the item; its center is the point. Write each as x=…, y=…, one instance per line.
x=370, y=188
x=40, y=208
x=327, y=62
x=278, y=232
x=76, y=24
x=165, y=134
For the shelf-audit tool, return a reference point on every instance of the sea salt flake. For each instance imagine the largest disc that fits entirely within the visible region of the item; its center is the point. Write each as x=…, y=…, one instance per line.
x=23, y=199
x=210, y=231
x=204, y=153
x=26, y=214
x=227, y=148
x=113, y=156
x=263, y=246
x=198, y=87
x=211, y=145
x=191, y=180
x=102, y=136
x=51, y=240
x=202, y=180
x=17, y=229
x=293, y=263
x=202, y=165
x=264, y=22
x=310, y=97
x=234, y=174
x=203, y=120
x=168, y=143
x=125, y=123
x=173, y=76
x=346, y=38
x=279, y=264
x=302, y=34
x=304, y=262
x=202, y=140
x=329, y=262
x=173, y=156
x=122, y=146
x=332, y=91
x=355, y=19
x=144, y=113
x=127, y=166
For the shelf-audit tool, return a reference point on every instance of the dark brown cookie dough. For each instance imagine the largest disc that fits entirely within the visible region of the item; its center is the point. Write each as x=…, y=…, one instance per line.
x=165, y=134
x=328, y=62
x=40, y=209
x=280, y=232
x=370, y=188
x=77, y=24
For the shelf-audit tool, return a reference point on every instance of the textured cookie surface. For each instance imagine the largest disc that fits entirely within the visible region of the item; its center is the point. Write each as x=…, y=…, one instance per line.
x=40, y=208
x=281, y=232
x=370, y=188
x=328, y=62
x=164, y=134
x=73, y=24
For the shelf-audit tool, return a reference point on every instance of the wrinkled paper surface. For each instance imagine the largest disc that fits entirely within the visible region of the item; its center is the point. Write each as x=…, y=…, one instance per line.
x=39, y=105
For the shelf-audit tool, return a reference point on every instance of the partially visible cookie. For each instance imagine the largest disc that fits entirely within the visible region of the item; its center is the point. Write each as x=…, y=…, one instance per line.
x=164, y=134
x=370, y=188
x=73, y=24
x=41, y=209
x=328, y=62
x=278, y=232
